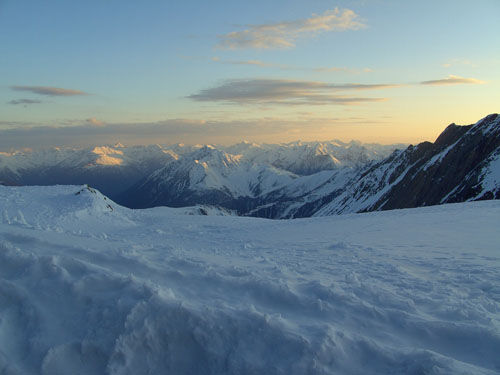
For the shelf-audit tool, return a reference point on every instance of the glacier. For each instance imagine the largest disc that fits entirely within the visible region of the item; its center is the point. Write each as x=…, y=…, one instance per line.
x=90, y=287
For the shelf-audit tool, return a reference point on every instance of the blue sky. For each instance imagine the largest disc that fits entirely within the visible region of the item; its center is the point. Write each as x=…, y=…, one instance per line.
x=268, y=71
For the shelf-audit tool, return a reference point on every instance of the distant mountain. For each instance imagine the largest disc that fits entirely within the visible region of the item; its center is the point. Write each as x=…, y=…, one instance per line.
x=236, y=177
x=315, y=179
x=298, y=179
x=180, y=175
x=110, y=169
x=463, y=164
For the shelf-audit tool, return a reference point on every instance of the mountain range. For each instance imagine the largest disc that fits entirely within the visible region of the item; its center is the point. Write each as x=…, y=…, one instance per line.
x=292, y=180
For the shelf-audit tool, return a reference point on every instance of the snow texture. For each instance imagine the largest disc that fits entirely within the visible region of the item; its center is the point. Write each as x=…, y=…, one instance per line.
x=89, y=287
x=490, y=179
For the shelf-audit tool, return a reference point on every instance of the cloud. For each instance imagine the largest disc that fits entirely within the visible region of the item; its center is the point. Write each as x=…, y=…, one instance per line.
x=284, y=34
x=453, y=80
x=251, y=62
x=285, y=92
x=25, y=102
x=265, y=64
x=258, y=63
x=87, y=133
x=342, y=69
x=49, y=91
x=333, y=69
x=95, y=122
x=459, y=62
x=172, y=131
x=16, y=124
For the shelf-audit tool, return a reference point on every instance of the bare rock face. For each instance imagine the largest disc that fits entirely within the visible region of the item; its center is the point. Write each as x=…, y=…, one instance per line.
x=448, y=170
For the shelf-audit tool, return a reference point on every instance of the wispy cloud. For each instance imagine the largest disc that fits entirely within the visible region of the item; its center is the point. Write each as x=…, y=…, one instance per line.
x=286, y=92
x=251, y=62
x=459, y=62
x=332, y=69
x=342, y=69
x=453, y=80
x=266, y=64
x=95, y=122
x=24, y=102
x=49, y=91
x=284, y=34
x=257, y=63
x=170, y=131
x=15, y=124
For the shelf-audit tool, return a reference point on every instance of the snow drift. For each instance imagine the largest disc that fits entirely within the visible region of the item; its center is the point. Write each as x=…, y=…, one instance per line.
x=89, y=287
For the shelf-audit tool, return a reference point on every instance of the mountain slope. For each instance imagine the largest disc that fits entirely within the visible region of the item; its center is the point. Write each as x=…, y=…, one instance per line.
x=299, y=179
x=452, y=169
x=180, y=175
x=461, y=165
x=236, y=177
x=209, y=176
x=111, y=169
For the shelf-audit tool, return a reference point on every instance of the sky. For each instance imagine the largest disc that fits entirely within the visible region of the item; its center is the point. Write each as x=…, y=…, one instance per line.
x=192, y=71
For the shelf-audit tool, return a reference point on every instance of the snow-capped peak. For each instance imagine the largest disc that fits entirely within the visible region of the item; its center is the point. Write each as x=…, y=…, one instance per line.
x=108, y=156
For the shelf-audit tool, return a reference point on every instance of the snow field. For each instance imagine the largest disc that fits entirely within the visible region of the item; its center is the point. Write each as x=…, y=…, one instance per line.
x=89, y=289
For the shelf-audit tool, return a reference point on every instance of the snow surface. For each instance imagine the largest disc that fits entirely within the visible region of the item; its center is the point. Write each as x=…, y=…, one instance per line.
x=359, y=194
x=89, y=287
x=491, y=174
x=212, y=169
